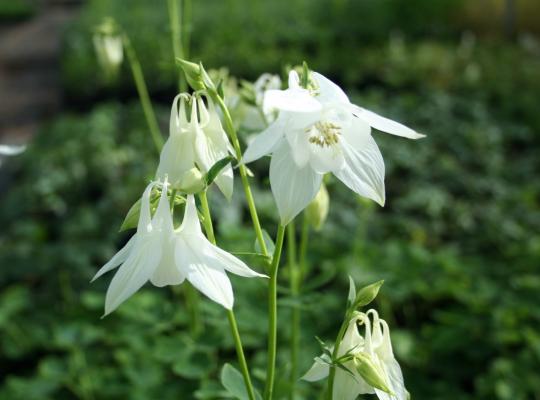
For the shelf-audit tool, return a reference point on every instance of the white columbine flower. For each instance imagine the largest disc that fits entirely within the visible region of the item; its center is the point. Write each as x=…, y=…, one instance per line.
x=164, y=256
x=199, y=141
x=318, y=131
x=374, y=346
x=109, y=48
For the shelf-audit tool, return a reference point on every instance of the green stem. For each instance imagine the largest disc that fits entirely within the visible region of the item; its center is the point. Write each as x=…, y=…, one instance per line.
x=240, y=354
x=186, y=28
x=231, y=131
x=295, y=312
x=209, y=229
x=304, y=239
x=339, y=337
x=142, y=90
x=272, y=311
x=174, y=20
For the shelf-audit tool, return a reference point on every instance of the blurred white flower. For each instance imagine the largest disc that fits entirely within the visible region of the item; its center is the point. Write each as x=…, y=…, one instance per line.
x=199, y=141
x=371, y=362
x=258, y=113
x=164, y=256
x=318, y=131
x=109, y=47
x=11, y=150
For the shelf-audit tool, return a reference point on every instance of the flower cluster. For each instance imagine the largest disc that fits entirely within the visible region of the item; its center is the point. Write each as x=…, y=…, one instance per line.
x=367, y=362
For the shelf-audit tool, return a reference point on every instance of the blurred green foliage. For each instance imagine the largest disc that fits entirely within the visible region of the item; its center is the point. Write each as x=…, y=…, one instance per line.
x=458, y=243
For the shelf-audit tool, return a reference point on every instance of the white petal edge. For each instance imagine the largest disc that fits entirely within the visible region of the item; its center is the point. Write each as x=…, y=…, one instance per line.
x=230, y=263
x=293, y=187
x=385, y=124
x=328, y=90
x=318, y=371
x=120, y=257
x=293, y=100
x=190, y=223
x=213, y=283
x=265, y=142
x=363, y=171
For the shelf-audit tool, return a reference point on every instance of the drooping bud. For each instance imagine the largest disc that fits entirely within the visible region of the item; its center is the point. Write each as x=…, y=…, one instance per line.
x=370, y=371
x=192, y=181
x=109, y=48
x=196, y=75
x=317, y=210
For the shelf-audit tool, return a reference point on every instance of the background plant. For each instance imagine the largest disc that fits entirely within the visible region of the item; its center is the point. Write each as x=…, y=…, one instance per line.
x=457, y=244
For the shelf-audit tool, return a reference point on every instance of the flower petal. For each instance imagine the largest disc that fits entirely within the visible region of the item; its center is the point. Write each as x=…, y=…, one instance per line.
x=318, y=371
x=363, y=171
x=145, y=218
x=298, y=142
x=264, y=142
x=117, y=259
x=190, y=224
x=293, y=187
x=167, y=273
x=213, y=283
x=395, y=382
x=384, y=124
x=326, y=158
x=135, y=272
x=294, y=100
x=223, y=260
x=329, y=92
x=225, y=182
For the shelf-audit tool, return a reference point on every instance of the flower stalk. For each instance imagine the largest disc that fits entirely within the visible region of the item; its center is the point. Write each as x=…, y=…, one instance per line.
x=142, y=90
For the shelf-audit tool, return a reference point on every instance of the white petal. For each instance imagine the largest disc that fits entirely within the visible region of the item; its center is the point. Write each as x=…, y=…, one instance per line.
x=167, y=273
x=225, y=181
x=293, y=188
x=395, y=383
x=212, y=282
x=294, y=100
x=363, y=171
x=10, y=150
x=265, y=142
x=190, y=224
x=384, y=124
x=177, y=157
x=223, y=260
x=144, y=224
x=117, y=259
x=318, y=371
x=294, y=80
x=135, y=272
x=329, y=92
x=162, y=217
x=326, y=159
x=298, y=141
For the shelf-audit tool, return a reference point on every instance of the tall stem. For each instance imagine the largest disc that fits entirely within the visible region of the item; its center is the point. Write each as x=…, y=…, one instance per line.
x=142, y=90
x=231, y=131
x=295, y=311
x=186, y=27
x=209, y=229
x=272, y=311
x=175, y=7
x=335, y=353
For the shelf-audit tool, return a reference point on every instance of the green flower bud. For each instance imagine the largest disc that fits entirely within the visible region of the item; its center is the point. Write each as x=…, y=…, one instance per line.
x=192, y=181
x=196, y=75
x=371, y=372
x=317, y=210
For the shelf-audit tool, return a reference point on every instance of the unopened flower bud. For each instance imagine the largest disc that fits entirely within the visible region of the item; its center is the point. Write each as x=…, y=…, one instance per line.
x=109, y=48
x=370, y=371
x=192, y=181
x=196, y=76
x=317, y=210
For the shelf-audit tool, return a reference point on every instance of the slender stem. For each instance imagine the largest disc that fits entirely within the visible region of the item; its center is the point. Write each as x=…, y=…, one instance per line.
x=186, y=27
x=335, y=353
x=208, y=227
x=295, y=312
x=272, y=311
x=229, y=127
x=175, y=8
x=142, y=90
x=240, y=354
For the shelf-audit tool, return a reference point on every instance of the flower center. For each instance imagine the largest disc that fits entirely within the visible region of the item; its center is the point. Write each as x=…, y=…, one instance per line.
x=324, y=134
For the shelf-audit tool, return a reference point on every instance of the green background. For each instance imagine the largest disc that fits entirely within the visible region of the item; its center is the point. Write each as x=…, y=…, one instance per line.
x=457, y=244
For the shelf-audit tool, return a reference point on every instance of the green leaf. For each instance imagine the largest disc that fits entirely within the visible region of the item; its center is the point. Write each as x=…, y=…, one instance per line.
x=233, y=381
x=352, y=292
x=367, y=294
x=216, y=169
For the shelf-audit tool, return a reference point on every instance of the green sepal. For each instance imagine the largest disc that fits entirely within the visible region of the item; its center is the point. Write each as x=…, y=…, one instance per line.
x=367, y=294
x=216, y=169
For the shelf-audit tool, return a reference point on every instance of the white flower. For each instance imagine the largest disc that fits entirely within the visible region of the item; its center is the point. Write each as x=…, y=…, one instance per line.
x=199, y=141
x=164, y=256
x=109, y=50
x=258, y=112
x=375, y=346
x=319, y=131
x=11, y=150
